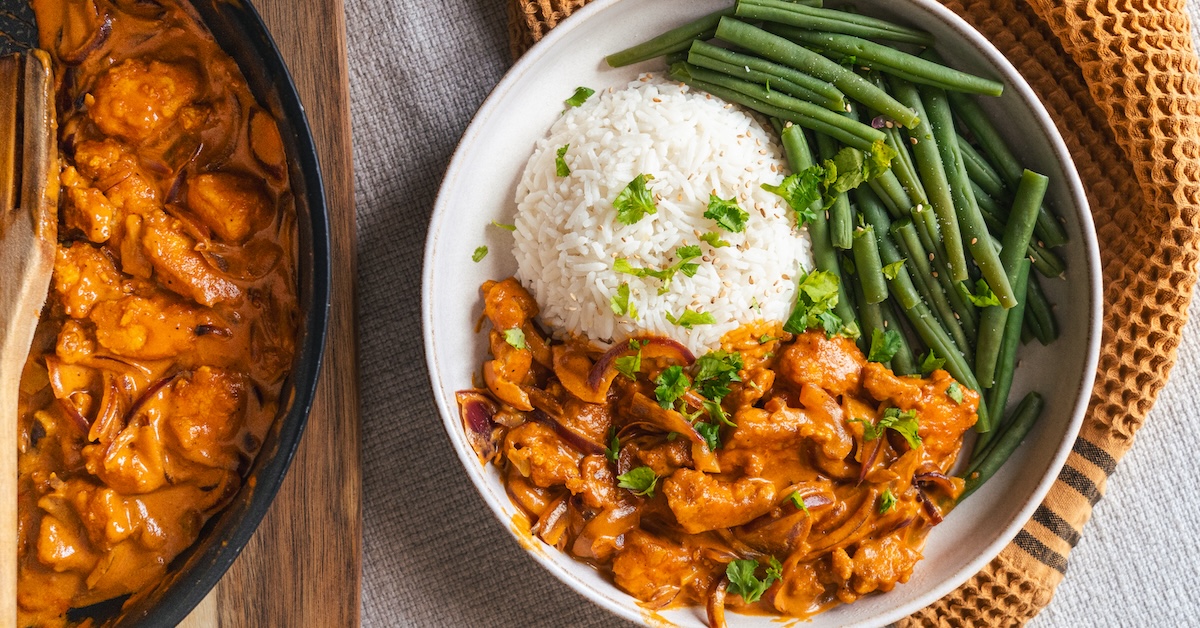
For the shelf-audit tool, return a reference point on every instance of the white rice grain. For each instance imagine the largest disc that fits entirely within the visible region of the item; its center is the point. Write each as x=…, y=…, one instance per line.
x=568, y=236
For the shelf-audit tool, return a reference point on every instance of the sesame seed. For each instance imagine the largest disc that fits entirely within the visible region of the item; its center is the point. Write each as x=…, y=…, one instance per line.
x=957, y=316
x=931, y=257
x=1041, y=244
x=935, y=274
x=974, y=240
x=912, y=140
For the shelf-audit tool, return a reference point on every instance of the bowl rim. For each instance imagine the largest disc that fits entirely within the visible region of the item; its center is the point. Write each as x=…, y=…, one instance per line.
x=1079, y=205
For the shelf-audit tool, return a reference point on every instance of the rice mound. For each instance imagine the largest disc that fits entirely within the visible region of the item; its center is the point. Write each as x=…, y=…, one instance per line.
x=568, y=237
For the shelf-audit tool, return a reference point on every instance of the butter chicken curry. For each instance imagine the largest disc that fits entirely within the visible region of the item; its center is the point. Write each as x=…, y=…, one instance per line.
x=781, y=474
x=172, y=316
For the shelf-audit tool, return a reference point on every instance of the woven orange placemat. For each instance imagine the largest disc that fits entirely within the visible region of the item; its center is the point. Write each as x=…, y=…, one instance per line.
x=1120, y=80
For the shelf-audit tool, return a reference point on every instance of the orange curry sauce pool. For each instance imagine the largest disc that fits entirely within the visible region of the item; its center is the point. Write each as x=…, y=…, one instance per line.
x=804, y=483
x=171, y=320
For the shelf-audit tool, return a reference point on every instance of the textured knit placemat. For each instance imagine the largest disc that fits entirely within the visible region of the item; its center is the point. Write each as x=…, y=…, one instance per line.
x=1120, y=80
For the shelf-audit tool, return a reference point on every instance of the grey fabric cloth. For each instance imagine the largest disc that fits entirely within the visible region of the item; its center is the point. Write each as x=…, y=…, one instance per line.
x=433, y=555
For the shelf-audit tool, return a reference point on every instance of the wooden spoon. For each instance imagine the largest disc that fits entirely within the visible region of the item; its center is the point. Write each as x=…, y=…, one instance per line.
x=28, y=232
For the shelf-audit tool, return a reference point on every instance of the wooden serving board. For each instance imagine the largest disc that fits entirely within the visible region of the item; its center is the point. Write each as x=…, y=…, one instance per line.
x=303, y=567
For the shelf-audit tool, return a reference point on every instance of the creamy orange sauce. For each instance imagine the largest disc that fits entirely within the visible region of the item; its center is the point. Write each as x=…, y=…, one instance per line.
x=171, y=320
x=829, y=467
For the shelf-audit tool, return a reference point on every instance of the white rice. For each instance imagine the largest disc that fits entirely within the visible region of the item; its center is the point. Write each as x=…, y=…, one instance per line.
x=568, y=237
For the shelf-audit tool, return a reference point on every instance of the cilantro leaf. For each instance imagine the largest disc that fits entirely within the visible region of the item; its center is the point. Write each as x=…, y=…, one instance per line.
x=727, y=213
x=798, y=502
x=871, y=431
x=765, y=338
x=892, y=270
x=504, y=226
x=689, y=319
x=672, y=384
x=983, y=296
x=851, y=167
x=931, y=363
x=580, y=96
x=620, y=303
x=711, y=433
x=903, y=422
x=800, y=191
x=850, y=331
x=954, y=391
x=717, y=413
x=614, y=445
x=714, y=240
x=560, y=165
x=717, y=369
x=516, y=338
x=684, y=265
x=635, y=201
x=479, y=254
x=884, y=345
x=816, y=296
x=743, y=582
x=629, y=365
x=887, y=501
x=640, y=480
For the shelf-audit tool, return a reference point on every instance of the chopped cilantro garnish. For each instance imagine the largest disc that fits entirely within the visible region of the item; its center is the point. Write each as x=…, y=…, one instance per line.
x=560, y=165
x=620, y=303
x=672, y=384
x=887, y=501
x=714, y=240
x=711, y=433
x=903, y=422
x=743, y=582
x=800, y=191
x=816, y=296
x=727, y=213
x=689, y=319
x=479, y=254
x=931, y=362
x=851, y=167
x=580, y=96
x=614, y=445
x=983, y=296
x=798, y=501
x=504, y=226
x=685, y=265
x=629, y=365
x=716, y=370
x=717, y=413
x=884, y=345
x=640, y=480
x=892, y=270
x=954, y=391
x=635, y=201
x=515, y=337
x=764, y=339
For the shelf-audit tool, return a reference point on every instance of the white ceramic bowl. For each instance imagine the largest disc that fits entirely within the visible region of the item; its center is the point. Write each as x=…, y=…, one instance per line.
x=479, y=188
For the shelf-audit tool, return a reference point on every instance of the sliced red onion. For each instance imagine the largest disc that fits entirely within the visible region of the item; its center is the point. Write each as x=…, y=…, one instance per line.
x=581, y=444
x=878, y=122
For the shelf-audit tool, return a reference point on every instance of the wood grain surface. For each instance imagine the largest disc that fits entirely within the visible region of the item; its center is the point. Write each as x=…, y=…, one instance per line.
x=303, y=566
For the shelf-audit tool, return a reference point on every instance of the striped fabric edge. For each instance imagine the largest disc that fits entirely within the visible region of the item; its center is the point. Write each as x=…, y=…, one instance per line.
x=1057, y=525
